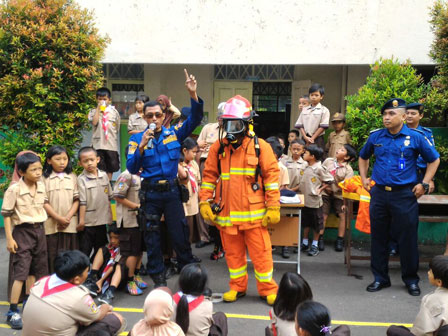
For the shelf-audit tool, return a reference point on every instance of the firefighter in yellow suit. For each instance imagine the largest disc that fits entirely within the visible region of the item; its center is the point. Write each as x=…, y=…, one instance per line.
x=240, y=184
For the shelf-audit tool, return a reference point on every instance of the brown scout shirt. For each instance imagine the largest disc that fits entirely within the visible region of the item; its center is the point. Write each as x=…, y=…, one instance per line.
x=58, y=308
x=283, y=177
x=136, y=123
x=201, y=318
x=313, y=117
x=336, y=141
x=127, y=186
x=209, y=134
x=21, y=206
x=295, y=170
x=340, y=173
x=62, y=190
x=99, y=140
x=313, y=177
x=191, y=207
x=433, y=313
x=95, y=193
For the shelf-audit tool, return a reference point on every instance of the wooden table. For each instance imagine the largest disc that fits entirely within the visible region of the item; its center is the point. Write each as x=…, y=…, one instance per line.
x=287, y=231
x=437, y=214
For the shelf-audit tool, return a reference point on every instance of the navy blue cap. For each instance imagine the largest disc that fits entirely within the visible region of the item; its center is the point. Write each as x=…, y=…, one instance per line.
x=186, y=111
x=415, y=106
x=393, y=103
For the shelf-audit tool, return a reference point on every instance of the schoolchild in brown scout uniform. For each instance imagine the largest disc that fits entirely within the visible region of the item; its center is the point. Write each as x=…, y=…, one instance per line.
x=433, y=315
x=24, y=214
x=131, y=240
x=136, y=122
x=339, y=167
x=60, y=306
x=62, y=205
x=95, y=194
x=314, y=119
x=295, y=164
x=105, y=120
x=339, y=137
x=313, y=182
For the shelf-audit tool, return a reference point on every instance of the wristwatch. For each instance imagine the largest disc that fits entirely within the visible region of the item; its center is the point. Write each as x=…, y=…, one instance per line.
x=426, y=187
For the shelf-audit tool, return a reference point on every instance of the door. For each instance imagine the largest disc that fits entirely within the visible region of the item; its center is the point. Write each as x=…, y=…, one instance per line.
x=222, y=91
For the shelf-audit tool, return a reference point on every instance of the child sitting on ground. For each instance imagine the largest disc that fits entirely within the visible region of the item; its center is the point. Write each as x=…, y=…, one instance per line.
x=292, y=291
x=193, y=311
x=158, y=309
x=313, y=182
x=339, y=167
x=106, y=273
x=433, y=312
x=24, y=214
x=59, y=305
x=313, y=319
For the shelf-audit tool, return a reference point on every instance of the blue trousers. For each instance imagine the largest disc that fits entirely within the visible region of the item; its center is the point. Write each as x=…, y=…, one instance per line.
x=169, y=204
x=394, y=213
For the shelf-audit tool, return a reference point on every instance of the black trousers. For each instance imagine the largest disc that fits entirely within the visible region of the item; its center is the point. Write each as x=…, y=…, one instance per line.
x=394, y=213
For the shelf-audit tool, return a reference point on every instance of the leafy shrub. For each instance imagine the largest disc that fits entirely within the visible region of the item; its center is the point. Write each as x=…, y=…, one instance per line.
x=50, y=54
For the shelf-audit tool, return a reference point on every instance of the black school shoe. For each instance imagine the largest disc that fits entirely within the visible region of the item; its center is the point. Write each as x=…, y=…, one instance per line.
x=339, y=244
x=321, y=243
x=285, y=252
x=159, y=280
x=304, y=247
x=14, y=320
x=314, y=251
x=107, y=297
x=413, y=289
x=90, y=284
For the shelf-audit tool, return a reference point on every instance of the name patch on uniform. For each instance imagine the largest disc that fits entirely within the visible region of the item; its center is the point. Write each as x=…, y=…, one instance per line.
x=169, y=139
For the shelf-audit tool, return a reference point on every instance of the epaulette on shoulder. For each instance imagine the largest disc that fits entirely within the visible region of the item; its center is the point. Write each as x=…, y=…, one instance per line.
x=417, y=130
x=427, y=129
x=375, y=130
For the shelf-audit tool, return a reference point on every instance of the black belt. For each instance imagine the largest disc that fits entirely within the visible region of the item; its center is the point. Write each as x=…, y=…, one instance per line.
x=394, y=187
x=34, y=225
x=158, y=185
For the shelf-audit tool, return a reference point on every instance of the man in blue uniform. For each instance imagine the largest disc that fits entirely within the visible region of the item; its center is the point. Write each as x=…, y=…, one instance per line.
x=157, y=151
x=393, y=204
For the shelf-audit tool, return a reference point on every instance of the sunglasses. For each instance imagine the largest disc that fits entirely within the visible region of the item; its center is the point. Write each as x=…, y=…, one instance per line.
x=151, y=115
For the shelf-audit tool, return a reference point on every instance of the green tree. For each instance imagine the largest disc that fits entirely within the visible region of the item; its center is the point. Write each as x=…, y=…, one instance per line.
x=388, y=79
x=50, y=54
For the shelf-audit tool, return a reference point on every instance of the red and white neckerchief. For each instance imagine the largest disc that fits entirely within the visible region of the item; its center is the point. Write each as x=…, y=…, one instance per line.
x=105, y=122
x=193, y=301
x=194, y=184
x=53, y=285
x=110, y=263
x=336, y=166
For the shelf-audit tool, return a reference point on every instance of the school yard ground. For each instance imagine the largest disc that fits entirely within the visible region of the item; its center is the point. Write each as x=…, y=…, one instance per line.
x=368, y=314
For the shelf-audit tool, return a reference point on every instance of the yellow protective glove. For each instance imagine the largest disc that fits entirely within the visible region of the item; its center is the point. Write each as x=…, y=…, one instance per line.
x=206, y=211
x=272, y=216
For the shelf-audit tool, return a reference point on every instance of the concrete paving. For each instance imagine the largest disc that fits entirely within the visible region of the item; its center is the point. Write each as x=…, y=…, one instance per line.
x=345, y=296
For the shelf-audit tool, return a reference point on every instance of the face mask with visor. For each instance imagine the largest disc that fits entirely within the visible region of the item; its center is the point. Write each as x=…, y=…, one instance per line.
x=233, y=127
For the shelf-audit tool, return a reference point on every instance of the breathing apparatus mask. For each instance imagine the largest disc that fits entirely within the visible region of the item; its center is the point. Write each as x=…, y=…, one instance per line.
x=234, y=128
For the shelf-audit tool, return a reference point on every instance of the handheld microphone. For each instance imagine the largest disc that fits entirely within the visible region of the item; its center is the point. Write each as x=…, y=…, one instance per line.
x=152, y=127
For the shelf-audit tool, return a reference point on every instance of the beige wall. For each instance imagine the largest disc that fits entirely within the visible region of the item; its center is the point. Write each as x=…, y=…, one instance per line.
x=170, y=80
x=338, y=81
x=264, y=32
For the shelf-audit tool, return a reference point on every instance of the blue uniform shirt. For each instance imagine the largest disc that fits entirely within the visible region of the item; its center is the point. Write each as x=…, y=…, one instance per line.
x=421, y=164
x=160, y=162
x=390, y=150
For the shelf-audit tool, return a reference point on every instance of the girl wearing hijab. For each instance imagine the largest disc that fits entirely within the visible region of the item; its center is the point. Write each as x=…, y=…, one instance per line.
x=158, y=308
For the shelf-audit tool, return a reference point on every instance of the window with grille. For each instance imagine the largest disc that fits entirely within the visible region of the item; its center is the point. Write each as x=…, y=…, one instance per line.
x=271, y=97
x=254, y=72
